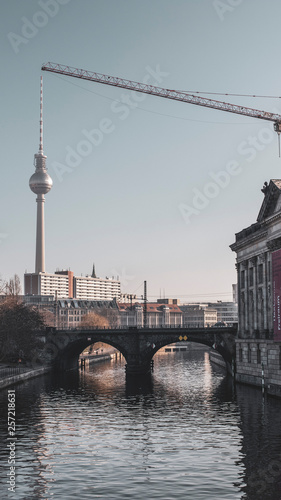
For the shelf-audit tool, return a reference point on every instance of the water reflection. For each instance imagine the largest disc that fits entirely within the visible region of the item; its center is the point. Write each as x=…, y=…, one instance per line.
x=261, y=445
x=139, y=385
x=180, y=433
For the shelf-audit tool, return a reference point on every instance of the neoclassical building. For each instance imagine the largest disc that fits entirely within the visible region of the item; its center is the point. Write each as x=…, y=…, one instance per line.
x=258, y=249
x=164, y=312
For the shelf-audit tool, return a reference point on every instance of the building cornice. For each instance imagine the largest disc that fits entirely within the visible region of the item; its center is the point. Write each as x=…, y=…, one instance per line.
x=274, y=244
x=272, y=218
x=260, y=234
x=238, y=245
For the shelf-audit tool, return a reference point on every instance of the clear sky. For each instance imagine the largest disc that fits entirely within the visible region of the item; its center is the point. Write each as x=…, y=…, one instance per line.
x=162, y=192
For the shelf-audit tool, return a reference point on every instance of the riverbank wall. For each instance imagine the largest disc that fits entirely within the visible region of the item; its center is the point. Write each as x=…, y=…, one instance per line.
x=258, y=363
x=83, y=360
x=20, y=377
x=10, y=380
x=217, y=359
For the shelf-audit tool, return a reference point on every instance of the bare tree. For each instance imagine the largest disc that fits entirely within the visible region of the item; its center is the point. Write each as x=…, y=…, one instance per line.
x=112, y=316
x=2, y=286
x=48, y=317
x=94, y=320
x=13, y=286
x=18, y=326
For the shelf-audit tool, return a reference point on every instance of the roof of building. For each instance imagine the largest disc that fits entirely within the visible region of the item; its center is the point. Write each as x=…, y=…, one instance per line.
x=271, y=192
x=271, y=205
x=195, y=307
x=151, y=307
x=86, y=304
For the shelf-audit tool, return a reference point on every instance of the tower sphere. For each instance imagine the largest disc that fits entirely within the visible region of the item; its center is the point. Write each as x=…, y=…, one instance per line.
x=40, y=182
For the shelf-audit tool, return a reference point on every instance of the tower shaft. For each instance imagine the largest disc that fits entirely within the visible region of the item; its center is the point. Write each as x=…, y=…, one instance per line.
x=40, y=236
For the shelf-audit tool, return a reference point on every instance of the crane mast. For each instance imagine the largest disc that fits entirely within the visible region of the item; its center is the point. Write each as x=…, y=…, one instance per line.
x=166, y=93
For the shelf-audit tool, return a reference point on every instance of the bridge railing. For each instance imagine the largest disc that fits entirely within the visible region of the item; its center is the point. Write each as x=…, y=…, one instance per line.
x=10, y=371
x=228, y=327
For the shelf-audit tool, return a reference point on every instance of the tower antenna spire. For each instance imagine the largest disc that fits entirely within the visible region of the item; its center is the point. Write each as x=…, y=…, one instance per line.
x=41, y=117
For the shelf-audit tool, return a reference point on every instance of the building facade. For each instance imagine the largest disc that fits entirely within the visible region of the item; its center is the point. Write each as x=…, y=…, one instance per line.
x=70, y=313
x=258, y=249
x=227, y=312
x=198, y=316
x=158, y=314
x=89, y=288
x=63, y=284
x=58, y=284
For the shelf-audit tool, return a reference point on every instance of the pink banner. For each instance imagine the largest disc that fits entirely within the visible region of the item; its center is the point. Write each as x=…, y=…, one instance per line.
x=276, y=292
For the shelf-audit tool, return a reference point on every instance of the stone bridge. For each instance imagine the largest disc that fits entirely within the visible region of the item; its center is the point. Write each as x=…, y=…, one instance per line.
x=137, y=345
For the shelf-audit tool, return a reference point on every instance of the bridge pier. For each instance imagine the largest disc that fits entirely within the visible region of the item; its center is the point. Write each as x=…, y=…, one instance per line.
x=138, y=369
x=65, y=364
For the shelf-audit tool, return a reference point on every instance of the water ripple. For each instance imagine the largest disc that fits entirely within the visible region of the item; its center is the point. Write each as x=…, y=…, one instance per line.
x=181, y=435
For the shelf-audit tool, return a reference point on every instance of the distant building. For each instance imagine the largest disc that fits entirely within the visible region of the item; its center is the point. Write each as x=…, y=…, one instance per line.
x=68, y=313
x=169, y=301
x=158, y=314
x=128, y=298
x=198, y=316
x=227, y=312
x=258, y=249
x=40, y=301
x=88, y=288
x=235, y=293
x=59, y=284
x=63, y=284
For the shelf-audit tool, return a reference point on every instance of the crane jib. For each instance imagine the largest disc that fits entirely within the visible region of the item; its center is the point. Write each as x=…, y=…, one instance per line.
x=162, y=92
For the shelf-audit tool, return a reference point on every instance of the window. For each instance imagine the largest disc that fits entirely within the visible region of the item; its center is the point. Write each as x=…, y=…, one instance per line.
x=260, y=274
x=240, y=353
x=258, y=354
x=249, y=353
x=242, y=279
x=251, y=276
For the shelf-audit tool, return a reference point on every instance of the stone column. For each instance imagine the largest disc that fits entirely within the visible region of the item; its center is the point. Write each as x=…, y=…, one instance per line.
x=266, y=280
x=264, y=311
x=254, y=305
x=268, y=293
x=239, y=298
x=246, y=295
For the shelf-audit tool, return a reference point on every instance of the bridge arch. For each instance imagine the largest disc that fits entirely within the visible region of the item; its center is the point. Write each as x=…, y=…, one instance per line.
x=150, y=352
x=67, y=358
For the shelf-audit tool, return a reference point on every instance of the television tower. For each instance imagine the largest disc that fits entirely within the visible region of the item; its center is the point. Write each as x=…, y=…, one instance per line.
x=40, y=183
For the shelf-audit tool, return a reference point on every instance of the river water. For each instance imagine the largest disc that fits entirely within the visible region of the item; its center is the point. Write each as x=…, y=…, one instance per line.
x=184, y=433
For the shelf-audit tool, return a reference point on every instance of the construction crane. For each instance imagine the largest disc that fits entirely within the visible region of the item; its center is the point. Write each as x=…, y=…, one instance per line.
x=167, y=93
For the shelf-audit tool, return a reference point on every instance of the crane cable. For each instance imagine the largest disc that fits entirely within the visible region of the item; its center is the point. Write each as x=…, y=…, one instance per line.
x=156, y=112
x=228, y=94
